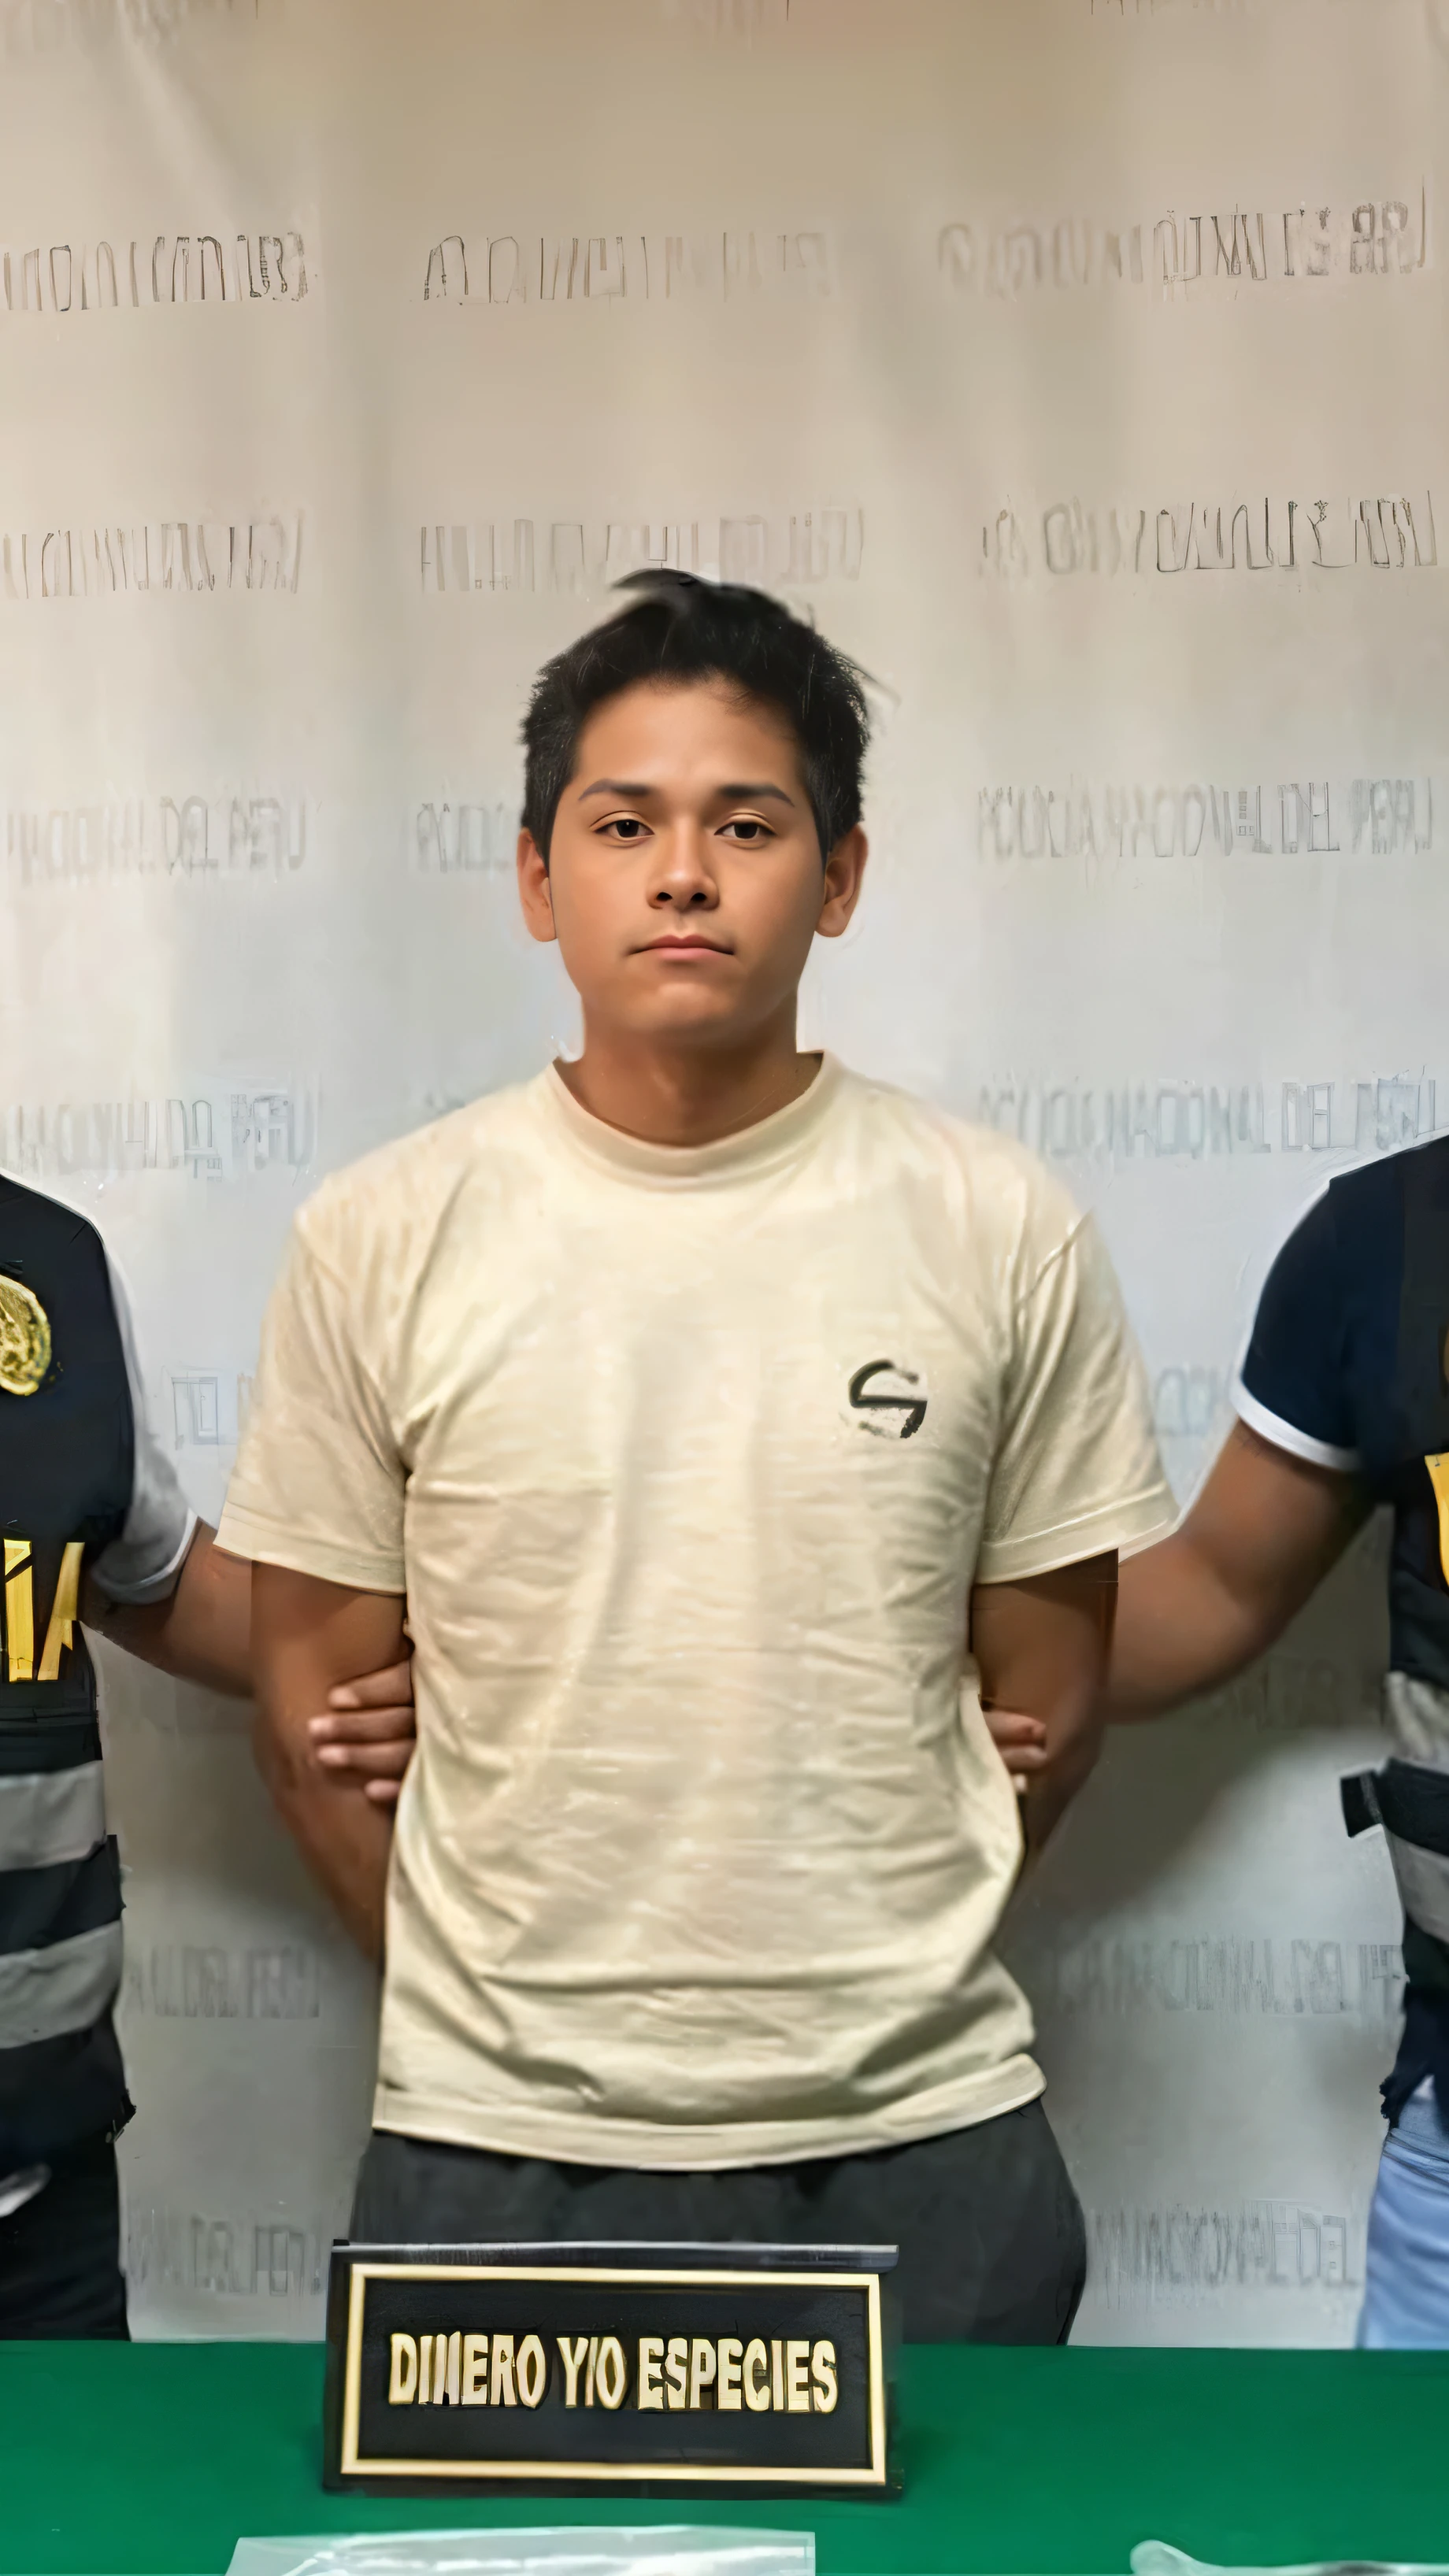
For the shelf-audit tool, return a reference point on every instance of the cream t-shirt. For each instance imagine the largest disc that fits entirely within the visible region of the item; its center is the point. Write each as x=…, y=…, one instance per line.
x=687, y=1460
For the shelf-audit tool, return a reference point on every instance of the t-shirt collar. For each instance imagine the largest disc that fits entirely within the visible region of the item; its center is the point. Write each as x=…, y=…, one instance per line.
x=781, y=1138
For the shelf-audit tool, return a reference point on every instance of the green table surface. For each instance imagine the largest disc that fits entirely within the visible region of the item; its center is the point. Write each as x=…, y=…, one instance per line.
x=157, y=2457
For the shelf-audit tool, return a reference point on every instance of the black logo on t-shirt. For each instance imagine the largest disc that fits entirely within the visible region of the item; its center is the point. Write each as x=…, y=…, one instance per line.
x=888, y=1414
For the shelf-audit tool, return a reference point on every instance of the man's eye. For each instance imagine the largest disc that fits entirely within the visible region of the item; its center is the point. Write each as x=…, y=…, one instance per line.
x=746, y=827
x=628, y=826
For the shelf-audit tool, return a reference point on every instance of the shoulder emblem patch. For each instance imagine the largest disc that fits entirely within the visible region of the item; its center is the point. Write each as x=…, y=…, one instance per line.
x=24, y=1339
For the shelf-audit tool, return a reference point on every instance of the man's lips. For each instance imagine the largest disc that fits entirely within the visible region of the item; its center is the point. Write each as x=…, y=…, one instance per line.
x=692, y=946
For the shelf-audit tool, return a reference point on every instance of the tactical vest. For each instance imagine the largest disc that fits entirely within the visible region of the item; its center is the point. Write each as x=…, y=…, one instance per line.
x=1409, y=1796
x=67, y=1457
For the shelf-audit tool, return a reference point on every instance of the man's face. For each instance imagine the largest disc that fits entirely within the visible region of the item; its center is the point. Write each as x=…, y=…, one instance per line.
x=684, y=882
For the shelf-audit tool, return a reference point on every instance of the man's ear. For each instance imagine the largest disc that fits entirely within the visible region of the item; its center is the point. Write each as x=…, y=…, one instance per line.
x=844, y=871
x=534, y=891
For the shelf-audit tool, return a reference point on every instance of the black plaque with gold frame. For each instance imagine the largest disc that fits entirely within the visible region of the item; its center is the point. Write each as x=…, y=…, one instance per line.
x=610, y=2368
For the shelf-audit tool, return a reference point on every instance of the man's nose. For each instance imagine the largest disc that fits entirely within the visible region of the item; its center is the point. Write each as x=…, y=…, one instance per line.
x=683, y=873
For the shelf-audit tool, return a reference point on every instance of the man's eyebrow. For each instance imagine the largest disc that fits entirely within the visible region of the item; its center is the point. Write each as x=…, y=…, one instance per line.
x=751, y=791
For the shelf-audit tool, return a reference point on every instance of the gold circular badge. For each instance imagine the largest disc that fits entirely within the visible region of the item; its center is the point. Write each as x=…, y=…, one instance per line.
x=24, y=1339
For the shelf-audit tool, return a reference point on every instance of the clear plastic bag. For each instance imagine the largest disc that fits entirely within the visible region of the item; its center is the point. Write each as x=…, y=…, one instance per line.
x=658, y=2549
x=1159, y=2558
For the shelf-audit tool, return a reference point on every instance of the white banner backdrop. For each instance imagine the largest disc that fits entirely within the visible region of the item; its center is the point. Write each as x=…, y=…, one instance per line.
x=1079, y=364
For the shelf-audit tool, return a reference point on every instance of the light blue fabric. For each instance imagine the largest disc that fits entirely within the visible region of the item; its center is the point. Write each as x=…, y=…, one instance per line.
x=1406, y=2279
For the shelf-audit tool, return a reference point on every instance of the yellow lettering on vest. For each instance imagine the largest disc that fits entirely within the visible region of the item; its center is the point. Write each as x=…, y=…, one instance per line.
x=19, y=1610
x=1438, y=1467
x=65, y=1610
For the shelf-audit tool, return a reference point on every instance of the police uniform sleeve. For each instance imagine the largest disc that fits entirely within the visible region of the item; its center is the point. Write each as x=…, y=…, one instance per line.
x=1292, y=1387
x=318, y=1483
x=1076, y=1472
x=144, y=1563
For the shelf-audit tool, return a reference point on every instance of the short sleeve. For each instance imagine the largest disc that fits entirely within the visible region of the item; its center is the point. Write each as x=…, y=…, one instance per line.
x=318, y=1484
x=1076, y=1471
x=144, y=1563
x=1292, y=1388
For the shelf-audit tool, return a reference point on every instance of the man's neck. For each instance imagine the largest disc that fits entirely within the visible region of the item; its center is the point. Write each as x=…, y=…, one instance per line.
x=685, y=1096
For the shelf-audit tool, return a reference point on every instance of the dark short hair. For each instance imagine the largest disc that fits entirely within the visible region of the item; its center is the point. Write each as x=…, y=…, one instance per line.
x=678, y=629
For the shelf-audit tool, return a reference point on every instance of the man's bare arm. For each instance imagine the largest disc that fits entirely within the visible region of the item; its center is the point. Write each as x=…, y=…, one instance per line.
x=1260, y=1538
x=1041, y=1648
x=1192, y=1611
x=201, y=1633
x=308, y=1637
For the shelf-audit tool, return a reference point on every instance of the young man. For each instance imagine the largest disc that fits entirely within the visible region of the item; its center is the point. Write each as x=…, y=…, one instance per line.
x=1343, y=1400
x=726, y=1424
x=96, y=1527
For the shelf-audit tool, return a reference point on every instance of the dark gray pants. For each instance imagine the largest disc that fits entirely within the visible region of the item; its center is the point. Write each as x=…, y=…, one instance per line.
x=60, y=2253
x=990, y=2231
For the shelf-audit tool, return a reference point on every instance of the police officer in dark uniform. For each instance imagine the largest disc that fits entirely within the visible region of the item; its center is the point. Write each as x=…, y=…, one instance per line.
x=1343, y=1405
x=93, y=1523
